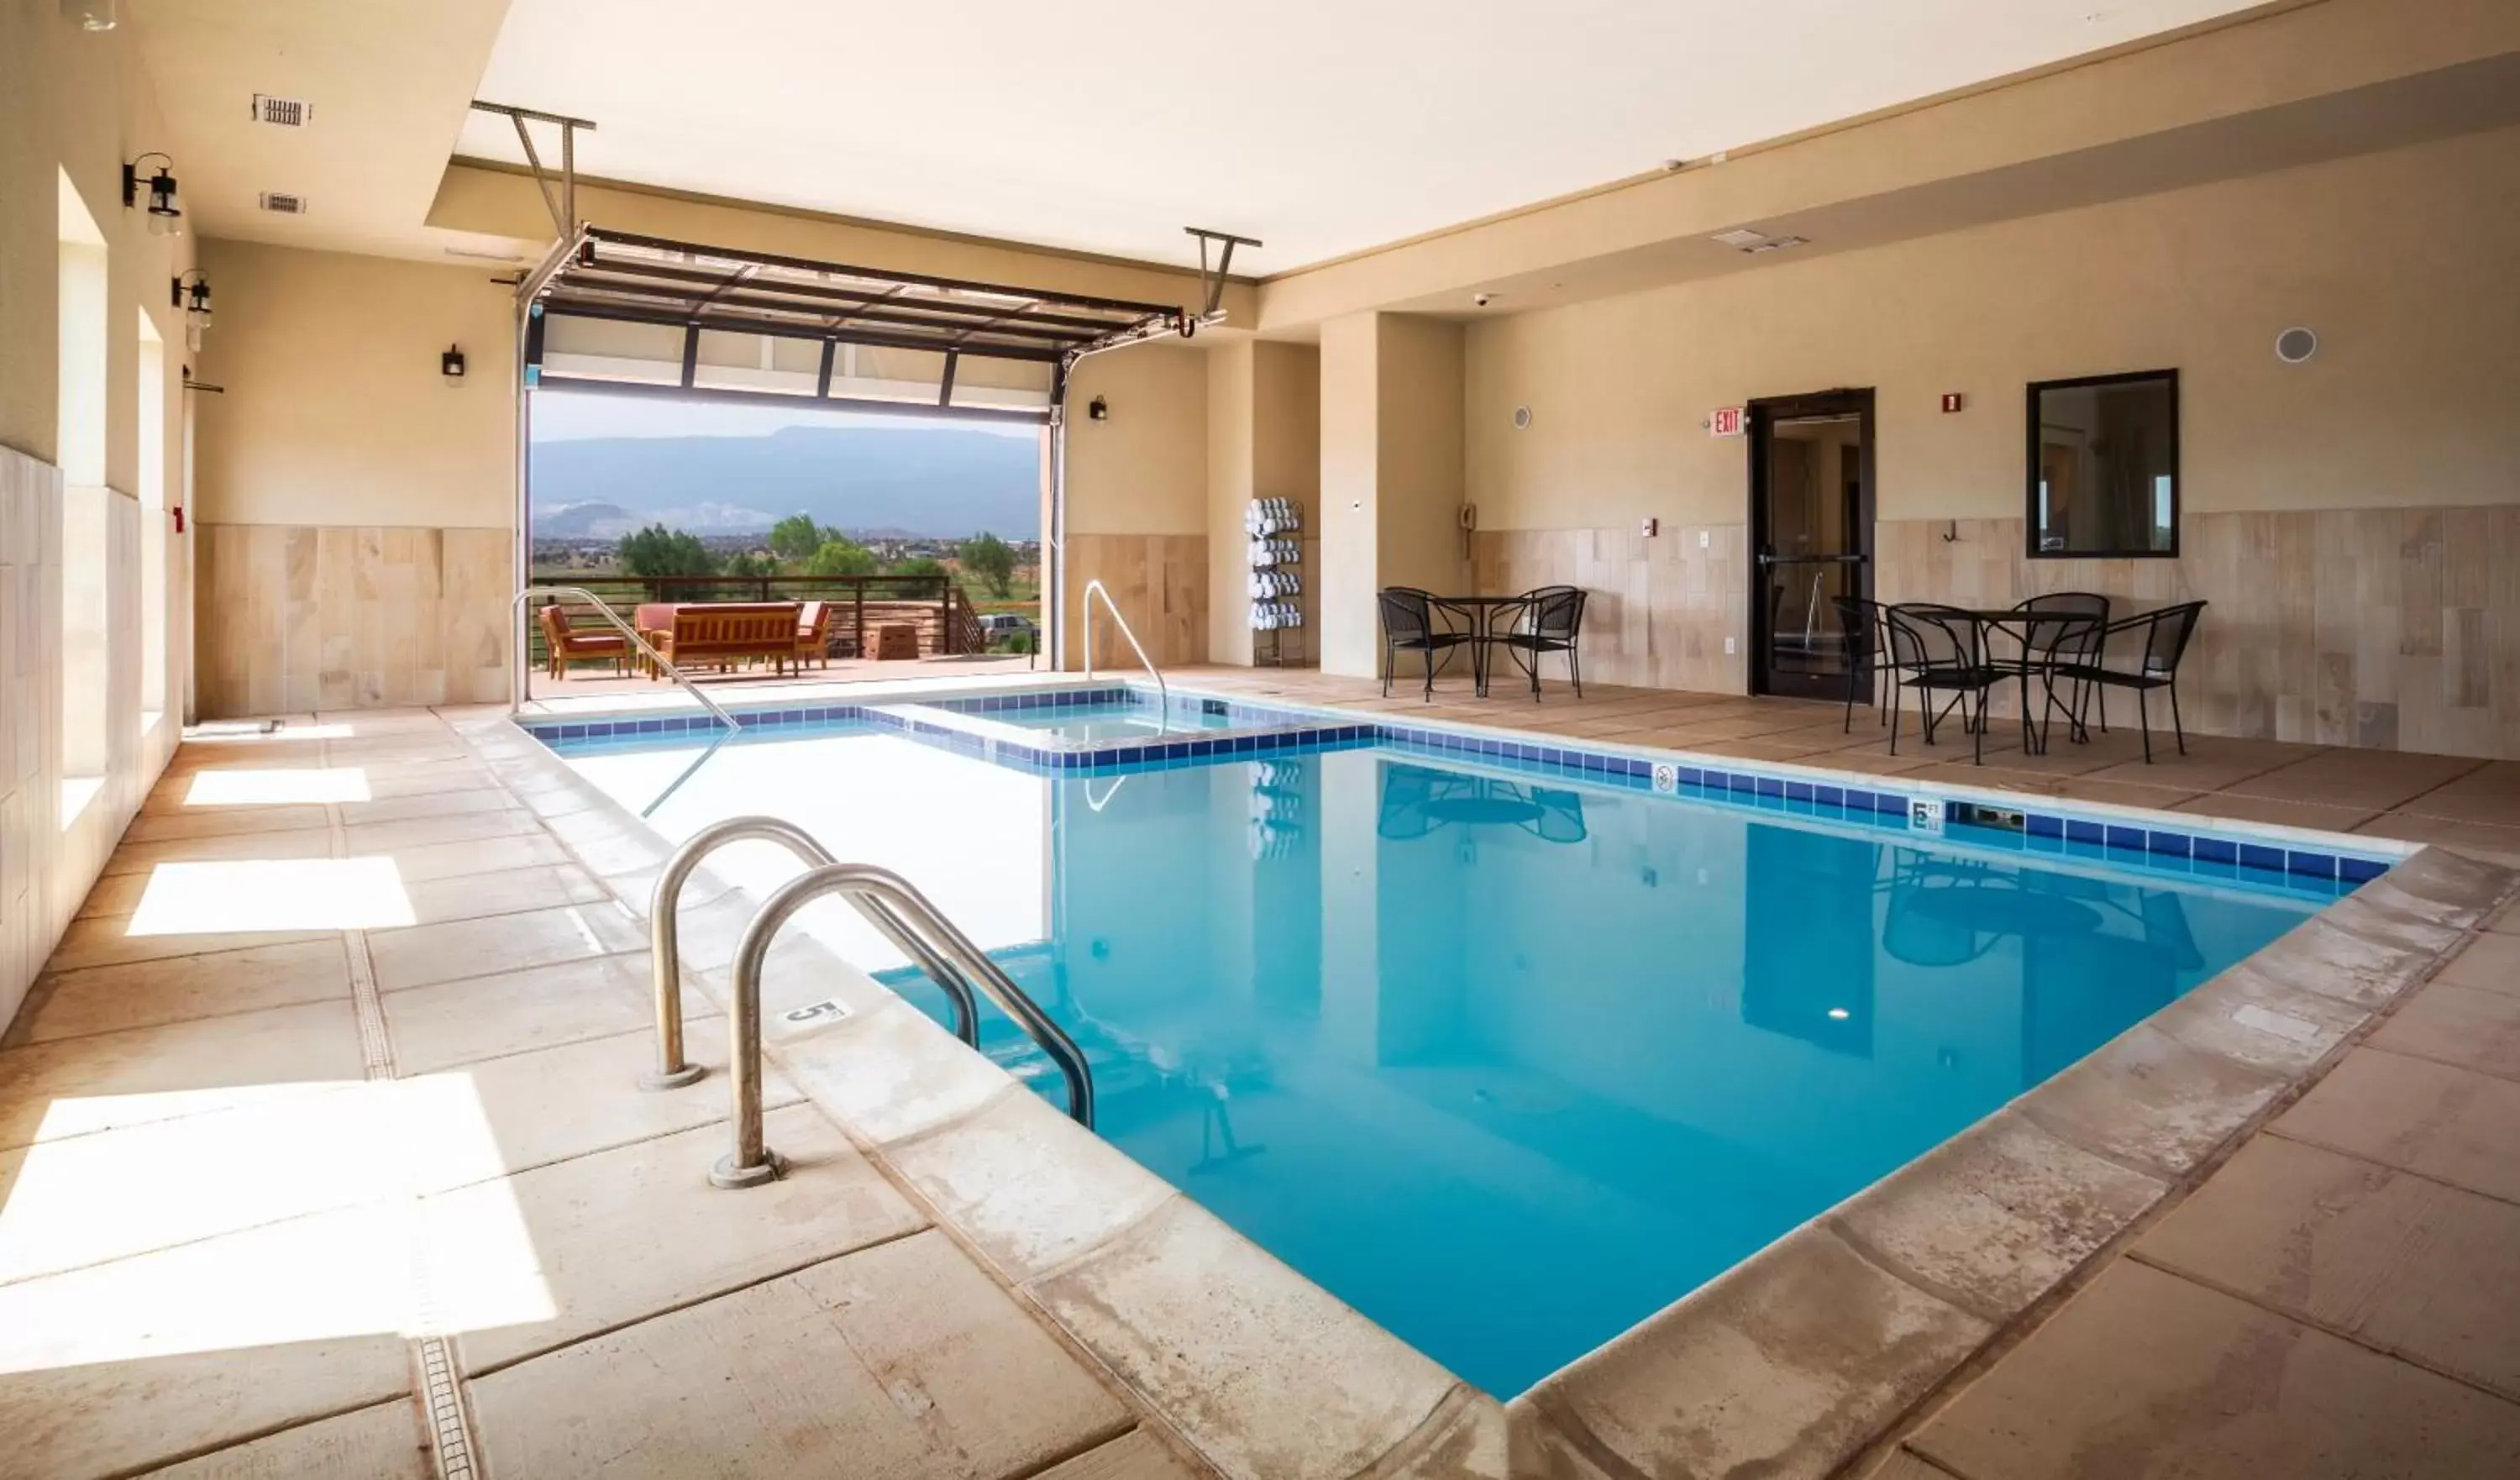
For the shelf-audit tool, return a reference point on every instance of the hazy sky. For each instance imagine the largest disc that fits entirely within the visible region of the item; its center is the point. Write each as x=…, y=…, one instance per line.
x=561, y=416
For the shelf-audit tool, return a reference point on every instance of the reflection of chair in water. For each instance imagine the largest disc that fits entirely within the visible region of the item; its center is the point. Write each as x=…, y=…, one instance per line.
x=1947, y=911
x=1417, y=800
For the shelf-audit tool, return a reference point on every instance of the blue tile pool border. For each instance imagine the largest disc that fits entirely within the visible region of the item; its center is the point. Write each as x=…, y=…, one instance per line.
x=1273, y=729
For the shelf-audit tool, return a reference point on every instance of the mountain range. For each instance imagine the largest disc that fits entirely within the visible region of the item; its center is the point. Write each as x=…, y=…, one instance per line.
x=943, y=483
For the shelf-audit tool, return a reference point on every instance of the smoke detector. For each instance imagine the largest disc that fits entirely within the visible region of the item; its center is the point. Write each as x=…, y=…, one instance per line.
x=281, y=202
x=281, y=113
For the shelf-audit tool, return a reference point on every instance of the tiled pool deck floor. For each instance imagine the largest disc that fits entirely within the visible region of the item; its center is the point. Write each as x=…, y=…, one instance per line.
x=256, y=1131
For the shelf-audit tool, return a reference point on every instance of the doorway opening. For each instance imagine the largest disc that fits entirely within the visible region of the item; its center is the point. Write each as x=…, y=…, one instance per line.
x=1810, y=534
x=932, y=408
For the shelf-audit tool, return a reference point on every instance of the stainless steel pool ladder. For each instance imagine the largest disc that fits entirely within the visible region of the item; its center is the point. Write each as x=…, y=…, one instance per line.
x=888, y=902
x=1164, y=693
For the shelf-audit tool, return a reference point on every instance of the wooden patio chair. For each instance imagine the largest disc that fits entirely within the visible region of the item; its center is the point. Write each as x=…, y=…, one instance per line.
x=814, y=634
x=563, y=644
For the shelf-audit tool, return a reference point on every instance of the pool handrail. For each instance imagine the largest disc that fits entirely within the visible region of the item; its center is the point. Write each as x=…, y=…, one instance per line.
x=647, y=650
x=1164, y=693
x=664, y=939
x=752, y=1162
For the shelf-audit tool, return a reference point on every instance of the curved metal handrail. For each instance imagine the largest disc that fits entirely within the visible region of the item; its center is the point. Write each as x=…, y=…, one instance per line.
x=751, y=1162
x=663, y=666
x=664, y=939
x=1163, y=693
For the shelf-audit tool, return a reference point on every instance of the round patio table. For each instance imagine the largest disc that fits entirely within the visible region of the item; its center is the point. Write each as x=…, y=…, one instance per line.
x=1481, y=611
x=1986, y=621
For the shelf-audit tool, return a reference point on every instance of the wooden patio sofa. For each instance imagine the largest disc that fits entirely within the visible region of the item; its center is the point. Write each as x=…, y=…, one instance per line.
x=722, y=633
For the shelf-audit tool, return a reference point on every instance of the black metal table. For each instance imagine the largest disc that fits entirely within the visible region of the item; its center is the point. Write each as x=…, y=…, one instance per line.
x=1481, y=611
x=1985, y=621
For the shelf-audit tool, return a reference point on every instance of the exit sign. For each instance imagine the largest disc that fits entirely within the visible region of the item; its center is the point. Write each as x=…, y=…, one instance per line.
x=1728, y=421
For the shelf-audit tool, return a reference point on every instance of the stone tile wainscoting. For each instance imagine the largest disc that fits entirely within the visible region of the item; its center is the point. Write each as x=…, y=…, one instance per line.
x=2395, y=629
x=297, y=617
x=1159, y=583
x=1659, y=608
x=47, y=860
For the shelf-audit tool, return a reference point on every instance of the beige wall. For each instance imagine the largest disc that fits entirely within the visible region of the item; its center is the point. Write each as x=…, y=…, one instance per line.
x=2400, y=260
x=335, y=413
x=1264, y=441
x=1350, y=563
x=2401, y=428
x=1138, y=500
x=80, y=103
x=1391, y=489
x=1230, y=475
x=1419, y=455
x=357, y=509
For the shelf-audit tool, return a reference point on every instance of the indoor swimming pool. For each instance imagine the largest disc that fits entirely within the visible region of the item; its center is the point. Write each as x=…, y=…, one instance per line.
x=1507, y=1054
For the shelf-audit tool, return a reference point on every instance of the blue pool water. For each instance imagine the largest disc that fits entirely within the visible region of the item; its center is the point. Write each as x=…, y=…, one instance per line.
x=1506, y=1061
x=1111, y=721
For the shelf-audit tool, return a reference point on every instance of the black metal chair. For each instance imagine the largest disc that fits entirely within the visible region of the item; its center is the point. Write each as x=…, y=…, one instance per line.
x=1545, y=620
x=2165, y=632
x=2062, y=628
x=1935, y=651
x=1865, y=625
x=1410, y=624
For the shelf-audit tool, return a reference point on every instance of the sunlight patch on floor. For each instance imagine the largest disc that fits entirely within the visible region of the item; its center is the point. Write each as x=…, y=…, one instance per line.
x=250, y=789
x=274, y=1225
x=255, y=894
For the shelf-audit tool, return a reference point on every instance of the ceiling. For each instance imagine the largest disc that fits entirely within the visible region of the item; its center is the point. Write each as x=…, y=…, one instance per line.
x=390, y=82
x=1322, y=126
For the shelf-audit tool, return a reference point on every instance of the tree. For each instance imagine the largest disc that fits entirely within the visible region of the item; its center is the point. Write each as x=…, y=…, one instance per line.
x=918, y=564
x=659, y=551
x=751, y=563
x=992, y=560
x=798, y=538
x=840, y=555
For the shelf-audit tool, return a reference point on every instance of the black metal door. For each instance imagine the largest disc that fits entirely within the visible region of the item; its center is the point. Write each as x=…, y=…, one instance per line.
x=1811, y=540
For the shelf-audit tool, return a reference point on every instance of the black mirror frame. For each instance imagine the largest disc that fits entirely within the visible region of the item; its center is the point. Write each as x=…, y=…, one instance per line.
x=2030, y=469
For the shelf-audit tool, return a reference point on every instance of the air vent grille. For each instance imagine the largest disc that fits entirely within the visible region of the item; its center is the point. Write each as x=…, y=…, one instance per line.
x=282, y=113
x=282, y=203
x=1744, y=239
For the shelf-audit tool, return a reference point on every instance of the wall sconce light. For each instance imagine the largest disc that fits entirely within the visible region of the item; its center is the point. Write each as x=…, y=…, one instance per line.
x=91, y=15
x=451, y=365
x=192, y=293
x=165, y=218
x=1098, y=410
